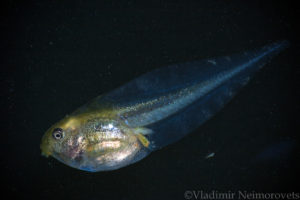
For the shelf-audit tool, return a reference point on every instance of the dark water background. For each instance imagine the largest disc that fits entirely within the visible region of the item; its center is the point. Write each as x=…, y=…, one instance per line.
x=57, y=55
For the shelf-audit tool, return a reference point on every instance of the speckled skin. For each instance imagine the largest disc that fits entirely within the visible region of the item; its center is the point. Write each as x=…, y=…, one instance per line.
x=94, y=142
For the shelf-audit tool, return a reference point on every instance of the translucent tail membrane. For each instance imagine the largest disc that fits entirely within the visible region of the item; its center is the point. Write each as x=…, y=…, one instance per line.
x=174, y=100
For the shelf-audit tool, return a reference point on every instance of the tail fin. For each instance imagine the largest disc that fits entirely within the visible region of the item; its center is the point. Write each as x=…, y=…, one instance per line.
x=179, y=124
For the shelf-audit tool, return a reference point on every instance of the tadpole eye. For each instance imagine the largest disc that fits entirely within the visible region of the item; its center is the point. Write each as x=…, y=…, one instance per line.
x=57, y=133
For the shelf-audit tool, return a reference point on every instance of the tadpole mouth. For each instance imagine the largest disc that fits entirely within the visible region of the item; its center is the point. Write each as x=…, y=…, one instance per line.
x=45, y=154
x=45, y=151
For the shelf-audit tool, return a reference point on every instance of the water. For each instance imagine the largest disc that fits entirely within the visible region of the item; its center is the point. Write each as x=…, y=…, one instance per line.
x=58, y=56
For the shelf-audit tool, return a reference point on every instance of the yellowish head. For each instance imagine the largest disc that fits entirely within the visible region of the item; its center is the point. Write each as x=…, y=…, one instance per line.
x=92, y=143
x=57, y=134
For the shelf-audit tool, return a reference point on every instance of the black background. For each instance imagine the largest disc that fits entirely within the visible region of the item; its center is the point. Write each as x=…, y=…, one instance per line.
x=57, y=55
